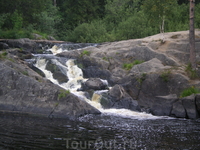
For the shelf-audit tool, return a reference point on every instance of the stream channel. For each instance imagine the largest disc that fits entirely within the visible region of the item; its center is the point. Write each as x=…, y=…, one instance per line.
x=114, y=129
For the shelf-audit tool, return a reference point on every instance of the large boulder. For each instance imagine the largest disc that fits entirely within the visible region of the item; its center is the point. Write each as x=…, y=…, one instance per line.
x=121, y=99
x=25, y=44
x=59, y=72
x=162, y=105
x=23, y=90
x=153, y=65
x=3, y=46
x=178, y=110
x=190, y=106
x=94, y=84
x=21, y=54
x=161, y=84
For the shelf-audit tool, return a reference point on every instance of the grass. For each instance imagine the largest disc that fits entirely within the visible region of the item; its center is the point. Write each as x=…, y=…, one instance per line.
x=85, y=52
x=107, y=58
x=63, y=93
x=189, y=91
x=142, y=78
x=165, y=75
x=191, y=73
x=3, y=55
x=130, y=65
x=25, y=73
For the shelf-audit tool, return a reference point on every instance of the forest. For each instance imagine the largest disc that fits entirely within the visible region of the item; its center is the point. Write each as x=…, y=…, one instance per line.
x=93, y=21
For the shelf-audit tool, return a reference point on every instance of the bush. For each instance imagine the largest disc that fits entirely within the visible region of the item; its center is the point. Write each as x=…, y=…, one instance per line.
x=165, y=75
x=191, y=73
x=94, y=32
x=15, y=34
x=189, y=91
x=135, y=26
x=130, y=65
x=63, y=93
x=85, y=52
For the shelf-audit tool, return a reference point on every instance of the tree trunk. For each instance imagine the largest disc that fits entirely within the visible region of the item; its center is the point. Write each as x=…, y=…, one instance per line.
x=192, y=36
x=54, y=2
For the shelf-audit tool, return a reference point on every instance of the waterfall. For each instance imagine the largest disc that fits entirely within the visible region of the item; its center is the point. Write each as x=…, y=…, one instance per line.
x=75, y=76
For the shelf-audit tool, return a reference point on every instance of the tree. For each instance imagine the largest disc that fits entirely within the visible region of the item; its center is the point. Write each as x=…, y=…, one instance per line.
x=157, y=11
x=192, y=36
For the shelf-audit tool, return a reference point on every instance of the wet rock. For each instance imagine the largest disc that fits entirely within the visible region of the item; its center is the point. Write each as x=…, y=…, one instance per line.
x=95, y=84
x=19, y=91
x=178, y=110
x=155, y=84
x=36, y=69
x=190, y=107
x=121, y=99
x=162, y=105
x=25, y=44
x=21, y=54
x=3, y=46
x=95, y=72
x=58, y=73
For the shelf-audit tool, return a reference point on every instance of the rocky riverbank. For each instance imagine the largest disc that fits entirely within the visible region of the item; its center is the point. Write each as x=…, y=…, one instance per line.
x=144, y=75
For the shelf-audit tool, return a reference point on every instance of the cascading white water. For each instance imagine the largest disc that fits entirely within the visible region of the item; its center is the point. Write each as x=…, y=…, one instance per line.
x=75, y=76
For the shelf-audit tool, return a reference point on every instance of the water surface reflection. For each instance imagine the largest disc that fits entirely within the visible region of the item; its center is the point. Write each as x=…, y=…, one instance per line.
x=97, y=132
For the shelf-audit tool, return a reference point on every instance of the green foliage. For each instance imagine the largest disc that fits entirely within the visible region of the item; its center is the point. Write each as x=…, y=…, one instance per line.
x=165, y=75
x=17, y=20
x=128, y=66
x=85, y=52
x=136, y=26
x=63, y=93
x=2, y=19
x=191, y=73
x=3, y=55
x=197, y=16
x=15, y=34
x=47, y=20
x=94, y=21
x=24, y=73
x=142, y=78
x=158, y=10
x=94, y=32
x=189, y=91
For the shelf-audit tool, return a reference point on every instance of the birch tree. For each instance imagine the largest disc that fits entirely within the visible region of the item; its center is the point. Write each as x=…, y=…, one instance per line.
x=157, y=11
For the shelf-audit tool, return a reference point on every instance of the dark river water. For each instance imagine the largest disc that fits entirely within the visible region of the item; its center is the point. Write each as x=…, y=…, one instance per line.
x=97, y=132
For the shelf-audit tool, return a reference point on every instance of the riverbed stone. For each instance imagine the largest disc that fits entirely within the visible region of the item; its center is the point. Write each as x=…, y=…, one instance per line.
x=190, y=106
x=162, y=105
x=178, y=110
x=3, y=46
x=121, y=99
x=95, y=84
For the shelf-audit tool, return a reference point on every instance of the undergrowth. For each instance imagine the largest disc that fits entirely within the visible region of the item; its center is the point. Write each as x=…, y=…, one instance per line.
x=128, y=66
x=189, y=91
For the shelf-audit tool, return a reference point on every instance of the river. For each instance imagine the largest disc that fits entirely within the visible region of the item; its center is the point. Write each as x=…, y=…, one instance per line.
x=114, y=129
x=98, y=132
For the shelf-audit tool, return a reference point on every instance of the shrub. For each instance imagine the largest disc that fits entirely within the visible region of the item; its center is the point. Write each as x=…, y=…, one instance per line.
x=135, y=26
x=63, y=93
x=85, y=52
x=189, y=91
x=191, y=73
x=3, y=55
x=130, y=65
x=94, y=32
x=165, y=75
